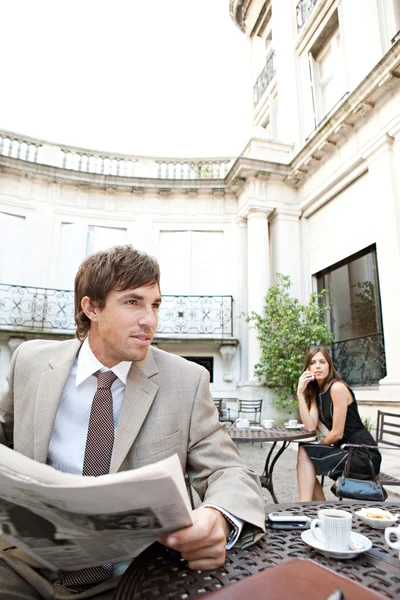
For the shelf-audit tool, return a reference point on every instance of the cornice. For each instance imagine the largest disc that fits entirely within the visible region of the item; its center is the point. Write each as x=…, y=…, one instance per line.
x=244, y=167
x=236, y=10
x=136, y=185
x=383, y=77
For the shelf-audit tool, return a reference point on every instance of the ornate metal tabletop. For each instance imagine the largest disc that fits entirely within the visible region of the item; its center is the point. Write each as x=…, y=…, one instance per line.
x=279, y=433
x=276, y=434
x=162, y=573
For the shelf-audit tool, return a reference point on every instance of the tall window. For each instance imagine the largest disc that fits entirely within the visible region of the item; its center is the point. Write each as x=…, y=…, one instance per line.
x=78, y=240
x=326, y=70
x=192, y=262
x=355, y=317
x=12, y=249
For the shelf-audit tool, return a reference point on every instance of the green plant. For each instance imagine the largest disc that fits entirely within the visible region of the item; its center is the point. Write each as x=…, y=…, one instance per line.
x=287, y=331
x=367, y=422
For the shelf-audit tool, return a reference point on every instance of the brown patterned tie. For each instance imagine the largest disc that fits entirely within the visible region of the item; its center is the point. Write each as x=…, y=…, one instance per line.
x=98, y=451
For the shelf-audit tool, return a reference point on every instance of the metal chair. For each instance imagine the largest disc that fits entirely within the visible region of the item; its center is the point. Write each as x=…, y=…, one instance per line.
x=248, y=407
x=222, y=417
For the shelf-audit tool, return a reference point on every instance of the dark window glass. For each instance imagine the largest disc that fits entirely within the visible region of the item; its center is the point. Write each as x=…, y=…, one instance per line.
x=205, y=361
x=355, y=317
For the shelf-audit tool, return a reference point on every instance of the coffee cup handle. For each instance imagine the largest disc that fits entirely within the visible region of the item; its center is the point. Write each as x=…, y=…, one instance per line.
x=316, y=530
x=388, y=532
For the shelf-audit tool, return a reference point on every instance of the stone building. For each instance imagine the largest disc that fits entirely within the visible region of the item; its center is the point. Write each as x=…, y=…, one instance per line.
x=315, y=195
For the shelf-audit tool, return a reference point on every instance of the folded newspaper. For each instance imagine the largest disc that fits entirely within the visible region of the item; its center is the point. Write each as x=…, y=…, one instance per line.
x=70, y=522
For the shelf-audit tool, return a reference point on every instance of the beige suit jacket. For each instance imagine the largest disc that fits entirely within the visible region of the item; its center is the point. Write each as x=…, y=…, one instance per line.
x=167, y=409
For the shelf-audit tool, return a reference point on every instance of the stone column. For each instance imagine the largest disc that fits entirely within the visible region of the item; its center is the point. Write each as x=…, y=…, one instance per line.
x=285, y=242
x=384, y=185
x=242, y=295
x=258, y=279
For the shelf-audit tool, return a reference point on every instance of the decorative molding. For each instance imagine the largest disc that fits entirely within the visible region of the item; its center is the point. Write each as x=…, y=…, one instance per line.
x=253, y=206
x=227, y=352
x=14, y=342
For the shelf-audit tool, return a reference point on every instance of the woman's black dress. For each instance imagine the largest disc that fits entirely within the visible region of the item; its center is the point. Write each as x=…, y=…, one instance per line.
x=330, y=460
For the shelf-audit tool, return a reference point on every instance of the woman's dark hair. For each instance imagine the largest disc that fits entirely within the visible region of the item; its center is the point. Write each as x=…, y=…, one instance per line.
x=313, y=389
x=118, y=268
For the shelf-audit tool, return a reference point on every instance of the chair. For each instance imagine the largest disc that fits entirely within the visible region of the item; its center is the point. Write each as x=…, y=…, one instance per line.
x=221, y=411
x=248, y=407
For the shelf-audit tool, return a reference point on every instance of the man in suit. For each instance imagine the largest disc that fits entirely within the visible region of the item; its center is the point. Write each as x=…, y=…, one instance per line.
x=160, y=405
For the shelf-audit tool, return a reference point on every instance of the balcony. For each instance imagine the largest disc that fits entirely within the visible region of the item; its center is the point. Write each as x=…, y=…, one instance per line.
x=361, y=360
x=122, y=166
x=265, y=78
x=303, y=11
x=43, y=310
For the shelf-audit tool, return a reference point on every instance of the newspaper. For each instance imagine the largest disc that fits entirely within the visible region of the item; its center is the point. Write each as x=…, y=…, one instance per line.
x=71, y=522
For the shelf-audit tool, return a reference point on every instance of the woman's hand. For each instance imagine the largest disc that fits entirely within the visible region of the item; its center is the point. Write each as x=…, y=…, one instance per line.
x=304, y=380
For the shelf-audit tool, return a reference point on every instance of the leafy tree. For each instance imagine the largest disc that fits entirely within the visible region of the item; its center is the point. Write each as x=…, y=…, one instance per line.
x=287, y=331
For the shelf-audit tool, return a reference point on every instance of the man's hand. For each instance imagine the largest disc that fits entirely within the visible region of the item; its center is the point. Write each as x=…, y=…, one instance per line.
x=203, y=544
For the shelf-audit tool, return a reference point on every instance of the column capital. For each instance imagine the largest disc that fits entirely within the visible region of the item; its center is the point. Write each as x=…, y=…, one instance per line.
x=254, y=207
x=286, y=213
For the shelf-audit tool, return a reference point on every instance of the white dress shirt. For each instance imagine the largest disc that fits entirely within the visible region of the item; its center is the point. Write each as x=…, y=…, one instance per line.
x=68, y=438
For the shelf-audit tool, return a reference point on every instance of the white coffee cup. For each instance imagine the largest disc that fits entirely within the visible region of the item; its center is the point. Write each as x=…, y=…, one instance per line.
x=333, y=528
x=268, y=423
x=293, y=422
x=393, y=531
x=242, y=422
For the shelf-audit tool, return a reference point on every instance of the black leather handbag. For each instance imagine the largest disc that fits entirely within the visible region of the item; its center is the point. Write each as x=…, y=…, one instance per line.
x=359, y=489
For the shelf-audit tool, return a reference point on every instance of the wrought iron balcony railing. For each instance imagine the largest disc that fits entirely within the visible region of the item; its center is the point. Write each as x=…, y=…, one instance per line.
x=303, y=11
x=45, y=310
x=360, y=360
x=265, y=78
x=196, y=315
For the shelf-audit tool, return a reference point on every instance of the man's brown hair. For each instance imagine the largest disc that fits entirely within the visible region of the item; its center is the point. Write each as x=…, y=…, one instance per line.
x=118, y=268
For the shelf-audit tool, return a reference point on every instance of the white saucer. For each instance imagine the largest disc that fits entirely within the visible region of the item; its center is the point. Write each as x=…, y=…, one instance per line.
x=298, y=426
x=355, y=537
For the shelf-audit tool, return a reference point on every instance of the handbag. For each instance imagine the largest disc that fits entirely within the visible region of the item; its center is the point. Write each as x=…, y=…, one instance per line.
x=359, y=489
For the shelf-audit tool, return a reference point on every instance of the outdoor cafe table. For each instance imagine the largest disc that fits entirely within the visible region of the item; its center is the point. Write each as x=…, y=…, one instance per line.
x=274, y=434
x=162, y=573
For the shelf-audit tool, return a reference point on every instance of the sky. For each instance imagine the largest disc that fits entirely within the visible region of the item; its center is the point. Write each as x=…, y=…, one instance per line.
x=144, y=77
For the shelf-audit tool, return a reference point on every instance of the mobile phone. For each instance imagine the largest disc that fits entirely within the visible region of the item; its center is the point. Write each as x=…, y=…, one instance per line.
x=288, y=516
x=288, y=520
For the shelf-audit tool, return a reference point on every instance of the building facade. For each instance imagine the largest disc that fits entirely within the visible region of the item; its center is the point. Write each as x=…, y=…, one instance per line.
x=314, y=195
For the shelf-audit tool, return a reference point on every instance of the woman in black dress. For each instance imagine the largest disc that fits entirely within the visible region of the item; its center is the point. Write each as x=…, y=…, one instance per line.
x=324, y=396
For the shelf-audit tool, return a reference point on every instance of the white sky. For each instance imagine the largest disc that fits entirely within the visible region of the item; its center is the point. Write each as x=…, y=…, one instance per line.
x=157, y=77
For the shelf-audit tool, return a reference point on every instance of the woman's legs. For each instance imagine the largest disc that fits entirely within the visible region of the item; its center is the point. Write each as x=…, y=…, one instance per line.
x=309, y=487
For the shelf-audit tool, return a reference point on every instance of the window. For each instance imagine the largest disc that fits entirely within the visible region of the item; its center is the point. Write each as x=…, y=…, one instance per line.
x=78, y=240
x=326, y=70
x=192, y=262
x=12, y=249
x=205, y=361
x=355, y=317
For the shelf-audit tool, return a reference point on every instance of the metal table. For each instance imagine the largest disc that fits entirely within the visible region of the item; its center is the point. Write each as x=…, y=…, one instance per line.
x=274, y=435
x=161, y=573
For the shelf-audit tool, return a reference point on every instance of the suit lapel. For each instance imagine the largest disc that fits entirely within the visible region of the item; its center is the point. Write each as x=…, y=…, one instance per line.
x=48, y=396
x=138, y=398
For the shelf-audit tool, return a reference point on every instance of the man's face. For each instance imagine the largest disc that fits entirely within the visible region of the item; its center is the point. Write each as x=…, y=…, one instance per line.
x=125, y=327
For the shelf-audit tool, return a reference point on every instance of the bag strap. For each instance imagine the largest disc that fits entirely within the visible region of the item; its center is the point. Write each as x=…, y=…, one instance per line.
x=346, y=469
x=351, y=447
